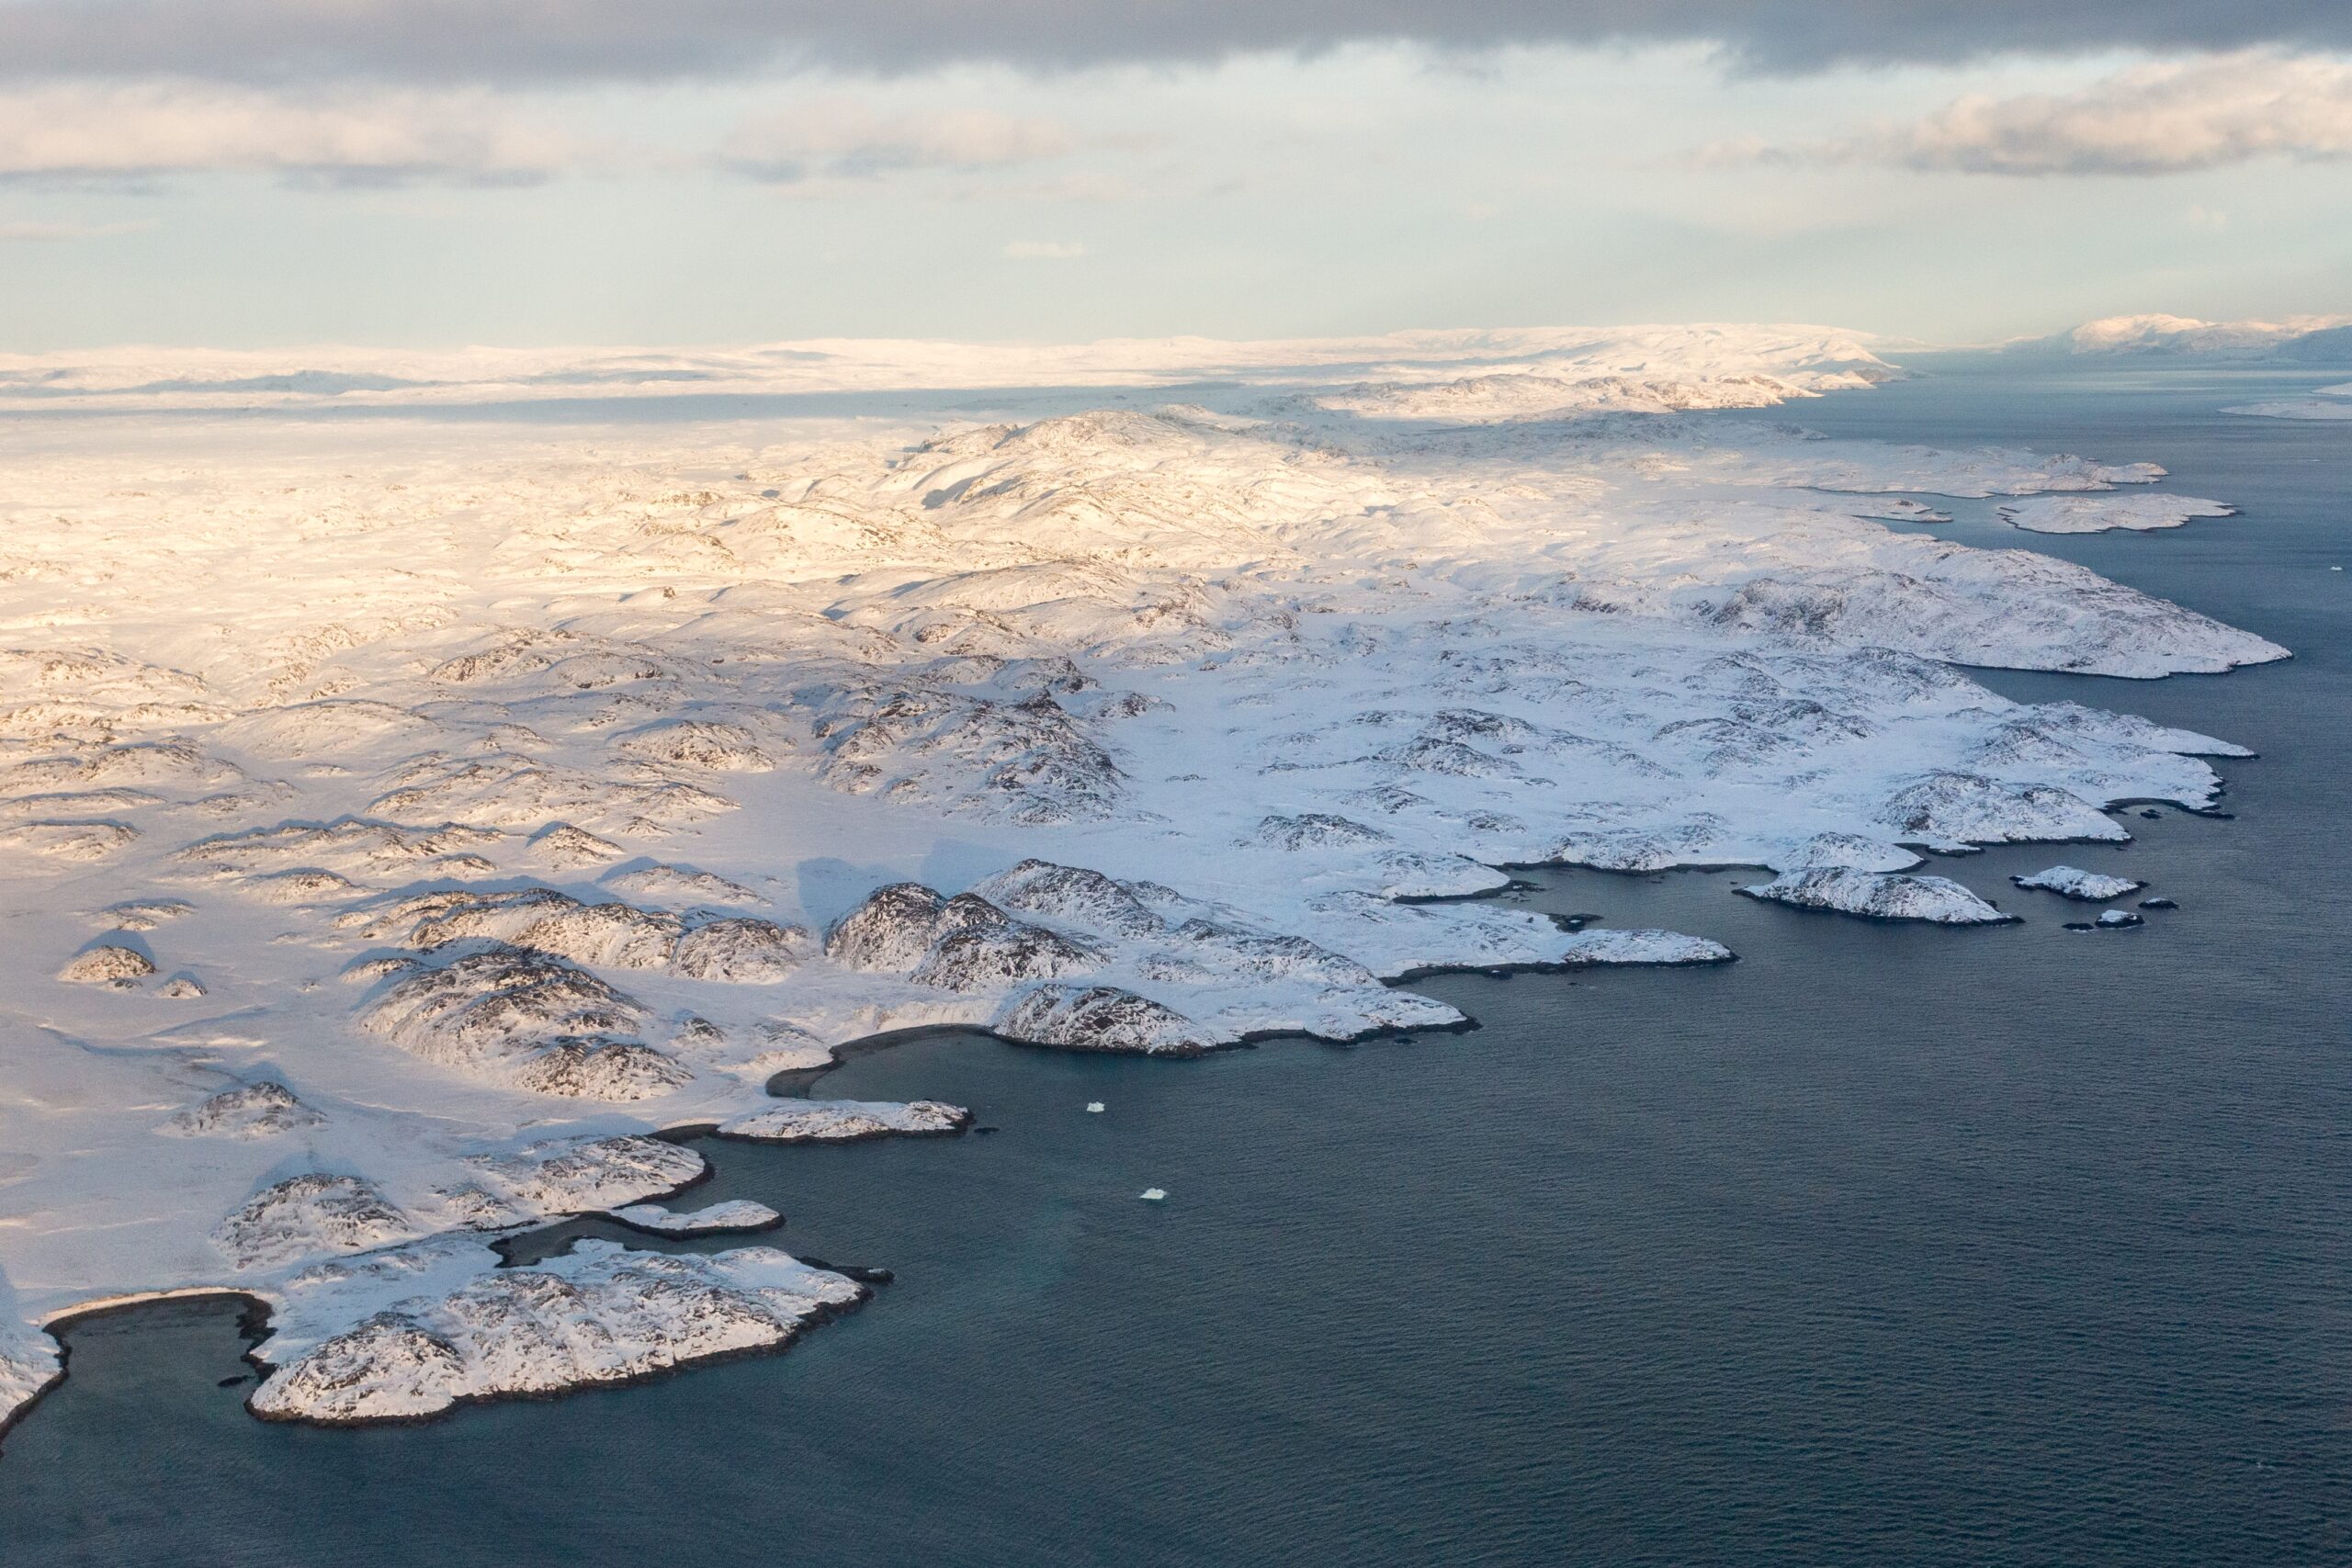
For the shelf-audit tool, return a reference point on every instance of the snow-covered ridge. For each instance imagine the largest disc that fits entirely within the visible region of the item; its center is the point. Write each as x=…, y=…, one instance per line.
x=402, y=821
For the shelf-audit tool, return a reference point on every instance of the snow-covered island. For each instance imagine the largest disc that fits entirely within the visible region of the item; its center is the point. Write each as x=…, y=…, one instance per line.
x=405, y=819
x=1879, y=896
x=2141, y=514
x=736, y=1214
x=2073, y=882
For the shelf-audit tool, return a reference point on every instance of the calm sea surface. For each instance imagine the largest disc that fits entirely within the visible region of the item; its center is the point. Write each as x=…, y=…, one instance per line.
x=1883, y=1246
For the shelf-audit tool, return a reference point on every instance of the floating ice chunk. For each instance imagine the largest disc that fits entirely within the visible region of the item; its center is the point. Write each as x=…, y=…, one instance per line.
x=1094, y=1108
x=1154, y=1195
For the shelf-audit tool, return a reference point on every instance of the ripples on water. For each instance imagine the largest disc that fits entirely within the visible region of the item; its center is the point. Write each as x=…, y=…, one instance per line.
x=1885, y=1245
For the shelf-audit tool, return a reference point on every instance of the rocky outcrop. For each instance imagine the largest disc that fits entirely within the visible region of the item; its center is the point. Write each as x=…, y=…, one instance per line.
x=697, y=743
x=1074, y=894
x=1313, y=830
x=568, y=848
x=676, y=885
x=964, y=943
x=68, y=840
x=249, y=1110
x=737, y=949
x=107, y=964
x=303, y=1215
x=351, y=846
x=1100, y=1018
x=529, y=1019
x=583, y=1174
x=1950, y=810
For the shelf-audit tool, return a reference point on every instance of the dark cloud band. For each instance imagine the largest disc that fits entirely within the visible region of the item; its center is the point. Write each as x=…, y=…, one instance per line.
x=592, y=40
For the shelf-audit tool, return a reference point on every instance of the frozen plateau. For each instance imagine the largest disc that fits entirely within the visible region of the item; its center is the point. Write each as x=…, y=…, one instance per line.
x=411, y=809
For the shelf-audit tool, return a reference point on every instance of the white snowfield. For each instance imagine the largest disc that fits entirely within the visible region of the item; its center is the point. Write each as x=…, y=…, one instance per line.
x=407, y=806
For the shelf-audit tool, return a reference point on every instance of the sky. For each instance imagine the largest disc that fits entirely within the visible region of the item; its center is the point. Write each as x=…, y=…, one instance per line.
x=436, y=172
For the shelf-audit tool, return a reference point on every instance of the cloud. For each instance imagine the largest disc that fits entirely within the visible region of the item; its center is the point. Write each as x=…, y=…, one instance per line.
x=134, y=130
x=2155, y=119
x=1043, y=250
x=477, y=41
x=2172, y=117
x=34, y=232
x=839, y=138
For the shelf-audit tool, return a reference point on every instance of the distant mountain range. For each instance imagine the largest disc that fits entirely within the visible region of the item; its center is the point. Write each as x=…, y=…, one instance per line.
x=2314, y=340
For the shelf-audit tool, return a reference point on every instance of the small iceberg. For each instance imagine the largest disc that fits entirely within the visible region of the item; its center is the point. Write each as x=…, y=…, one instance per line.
x=1154, y=1195
x=1094, y=1108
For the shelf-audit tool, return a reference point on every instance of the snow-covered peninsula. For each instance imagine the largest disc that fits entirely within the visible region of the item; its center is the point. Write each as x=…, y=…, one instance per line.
x=409, y=803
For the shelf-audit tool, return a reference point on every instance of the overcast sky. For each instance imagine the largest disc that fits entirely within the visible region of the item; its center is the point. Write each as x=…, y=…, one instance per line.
x=242, y=173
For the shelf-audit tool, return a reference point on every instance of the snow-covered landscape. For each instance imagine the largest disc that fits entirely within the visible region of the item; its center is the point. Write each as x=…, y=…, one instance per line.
x=411, y=813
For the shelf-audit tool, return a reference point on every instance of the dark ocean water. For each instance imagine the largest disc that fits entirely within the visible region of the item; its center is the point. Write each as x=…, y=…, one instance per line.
x=1883, y=1246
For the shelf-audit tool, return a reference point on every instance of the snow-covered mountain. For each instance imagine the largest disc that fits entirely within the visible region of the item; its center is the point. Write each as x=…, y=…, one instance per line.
x=2320, y=340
